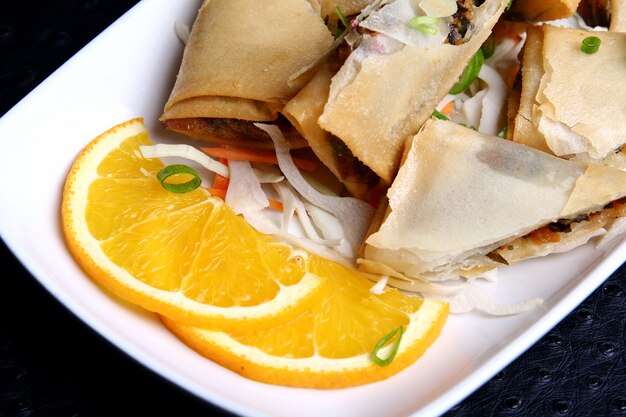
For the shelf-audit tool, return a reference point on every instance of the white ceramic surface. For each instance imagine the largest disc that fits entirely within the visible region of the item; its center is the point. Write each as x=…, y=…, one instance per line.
x=128, y=72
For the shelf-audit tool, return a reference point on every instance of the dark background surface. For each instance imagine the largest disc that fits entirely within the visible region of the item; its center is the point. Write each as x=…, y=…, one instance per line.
x=51, y=364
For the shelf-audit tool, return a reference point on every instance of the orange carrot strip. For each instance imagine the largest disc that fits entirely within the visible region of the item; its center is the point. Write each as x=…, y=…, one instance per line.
x=253, y=155
x=217, y=192
x=276, y=205
x=448, y=108
x=220, y=183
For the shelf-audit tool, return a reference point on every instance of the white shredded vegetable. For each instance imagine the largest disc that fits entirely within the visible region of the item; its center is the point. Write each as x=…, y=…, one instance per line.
x=354, y=215
x=330, y=228
x=266, y=177
x=260, y=221
x=185, y=151
x=472, y=109
x=494, y=101
x=288, y=195
x=379, y=287
x=244, y=192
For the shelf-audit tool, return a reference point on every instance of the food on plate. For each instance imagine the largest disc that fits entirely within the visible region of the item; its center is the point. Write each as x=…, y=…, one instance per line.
x=542, y=10
x=569, y=103
x=464, y=203
x=331, y=344
x=303, y=111
x=169, y=252
x=604, y=13
x=408, y=60
x=236, y=69
x=257, y=271
x=160, y=241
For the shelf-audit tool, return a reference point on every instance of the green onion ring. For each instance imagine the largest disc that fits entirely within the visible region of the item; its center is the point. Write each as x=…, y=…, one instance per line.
x=489, y=47
x=439, y=115
x=469, y=73
x=590, y=45
x=381, y=344
x=184, y=187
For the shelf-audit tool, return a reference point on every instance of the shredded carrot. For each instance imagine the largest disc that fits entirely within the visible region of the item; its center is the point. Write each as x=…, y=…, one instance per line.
x=448, y=108
x=276, y=205
x=219, y=193
x=253, y=155
x=220, y=183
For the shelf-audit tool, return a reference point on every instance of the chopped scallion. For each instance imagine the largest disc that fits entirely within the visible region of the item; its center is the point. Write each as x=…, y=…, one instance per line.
x=503, y=133
x=342, y=17
x=183, y=187
x=469, y=73
x=590, y=45
x=439, y=115
x=489, y=47
x=424, y=24
x=394, y=350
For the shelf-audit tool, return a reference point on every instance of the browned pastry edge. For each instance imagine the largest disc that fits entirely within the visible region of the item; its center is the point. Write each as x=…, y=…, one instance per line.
x=234, y=132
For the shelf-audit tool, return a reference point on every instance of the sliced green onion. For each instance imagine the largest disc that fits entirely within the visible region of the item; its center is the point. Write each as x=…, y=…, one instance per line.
x=394, y=350
x=489, y=47
x=183, y=187
x=425, y=24
x=469, y=73
x=504, y=132
x=590, y=45
x=439, y=115
x=342, y=17
x=468, y=126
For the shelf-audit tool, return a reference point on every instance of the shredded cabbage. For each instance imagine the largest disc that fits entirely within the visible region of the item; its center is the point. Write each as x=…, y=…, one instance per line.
x=354, y=215
x=244, y=192
x=288, y=196
x=379, y=287
x=185, y=151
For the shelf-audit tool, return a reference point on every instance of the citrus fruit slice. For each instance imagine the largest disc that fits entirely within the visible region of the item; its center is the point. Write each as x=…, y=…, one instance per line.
x=186, y=256
x=331, y=344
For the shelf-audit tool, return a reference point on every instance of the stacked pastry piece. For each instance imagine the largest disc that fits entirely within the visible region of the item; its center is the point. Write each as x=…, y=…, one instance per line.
x=462, y=202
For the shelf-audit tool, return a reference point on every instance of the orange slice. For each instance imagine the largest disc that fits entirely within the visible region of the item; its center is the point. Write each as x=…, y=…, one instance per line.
x=329, y=345
x=185, y=256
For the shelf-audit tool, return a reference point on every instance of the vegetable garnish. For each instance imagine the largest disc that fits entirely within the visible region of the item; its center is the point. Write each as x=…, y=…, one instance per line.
x=469, y=73
x=342, y=17
x=183, y=187
x=439, y=115
x=489, y=47
x=394, y=350
x=590, y=45
x=163, y=150
x=253, y=155
x=424, y=24
x=354, y=215
x=503, y=132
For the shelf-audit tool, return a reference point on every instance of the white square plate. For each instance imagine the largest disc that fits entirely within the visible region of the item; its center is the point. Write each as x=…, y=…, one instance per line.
x=128, y=72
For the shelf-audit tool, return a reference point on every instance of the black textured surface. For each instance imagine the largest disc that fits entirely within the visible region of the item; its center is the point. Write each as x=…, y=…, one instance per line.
x=53, y=365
